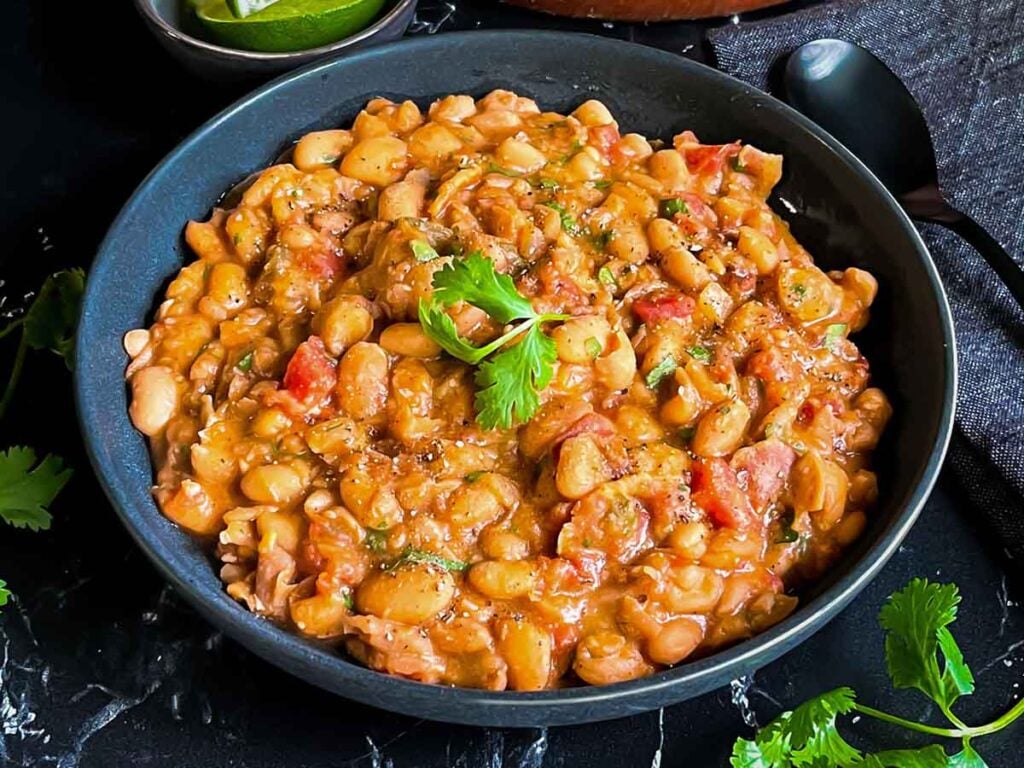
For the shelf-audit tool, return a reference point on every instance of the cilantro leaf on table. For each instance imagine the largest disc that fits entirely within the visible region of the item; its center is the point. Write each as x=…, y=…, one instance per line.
x=921, y=653
x=769, y=749
x=932, y=756
x=51, y=319
x=968, y=758
x=804, y=737
x=5, y=593
x=475, y=281
x=26, y=490
x=813, y=730
x=511, y=380
x=916, y=620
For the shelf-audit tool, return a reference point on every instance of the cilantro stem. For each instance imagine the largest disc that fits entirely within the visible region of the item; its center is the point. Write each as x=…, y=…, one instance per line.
x=12, y=382
x=1000, y=722
x=11, y=326
x=961, y=731
x=524, y=326
x=953, y=718
x=878, y=714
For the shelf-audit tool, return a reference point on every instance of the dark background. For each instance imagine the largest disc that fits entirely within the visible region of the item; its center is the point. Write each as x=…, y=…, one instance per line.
x=101, y=666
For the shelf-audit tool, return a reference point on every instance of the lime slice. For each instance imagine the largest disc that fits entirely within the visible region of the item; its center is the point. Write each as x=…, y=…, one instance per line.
x=242, y=8
x=286, y=25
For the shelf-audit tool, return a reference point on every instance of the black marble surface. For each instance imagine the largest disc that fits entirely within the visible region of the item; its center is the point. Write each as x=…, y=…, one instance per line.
x=101, y=666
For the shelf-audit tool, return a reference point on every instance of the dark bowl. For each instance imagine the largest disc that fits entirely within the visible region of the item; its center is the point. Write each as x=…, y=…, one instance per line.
x=836, y=207
x=167, y=20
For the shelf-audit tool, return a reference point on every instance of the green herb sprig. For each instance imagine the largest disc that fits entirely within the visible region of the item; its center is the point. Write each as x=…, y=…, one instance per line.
x=920, y=653
x=27, y=487
x=509, y=380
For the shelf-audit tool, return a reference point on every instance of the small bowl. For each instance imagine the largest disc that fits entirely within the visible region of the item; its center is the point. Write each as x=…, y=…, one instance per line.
x=166, y=19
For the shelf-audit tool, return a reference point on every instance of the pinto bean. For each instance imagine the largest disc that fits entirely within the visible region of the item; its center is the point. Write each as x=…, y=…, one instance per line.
x=410, y=594
x=154, y=399
x=527, y=651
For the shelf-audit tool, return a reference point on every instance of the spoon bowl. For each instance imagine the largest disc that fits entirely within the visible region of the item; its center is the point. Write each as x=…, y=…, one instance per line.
x=854, y=96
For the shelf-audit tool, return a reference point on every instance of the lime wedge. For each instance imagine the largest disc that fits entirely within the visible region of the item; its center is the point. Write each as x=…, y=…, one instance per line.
x=285, y=25
x=242, y=8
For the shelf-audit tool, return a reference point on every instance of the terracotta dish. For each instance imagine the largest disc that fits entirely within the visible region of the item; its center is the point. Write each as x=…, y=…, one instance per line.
x=644, y=10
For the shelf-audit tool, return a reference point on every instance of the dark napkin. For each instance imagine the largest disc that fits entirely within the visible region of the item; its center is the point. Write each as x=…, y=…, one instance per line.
x=964, y=62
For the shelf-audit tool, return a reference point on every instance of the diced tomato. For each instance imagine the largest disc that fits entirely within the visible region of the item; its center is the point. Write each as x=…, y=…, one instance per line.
x=709, y=158
x=716, y=490
x=662, y=305
x=310, y=376
x=323, y=264
x=603, y=137
x=564, y=638
x=764, y=468
x=777, y=370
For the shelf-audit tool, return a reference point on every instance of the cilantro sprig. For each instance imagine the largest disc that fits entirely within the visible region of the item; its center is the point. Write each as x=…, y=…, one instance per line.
x=509, y=376
x=27, y=487
x=49, y=323
x=921, y=653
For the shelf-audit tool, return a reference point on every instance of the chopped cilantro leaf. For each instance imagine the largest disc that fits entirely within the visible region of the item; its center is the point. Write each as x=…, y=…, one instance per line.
x=701, y=354
x=422, y=250
x=669, y=208
x=660, y=371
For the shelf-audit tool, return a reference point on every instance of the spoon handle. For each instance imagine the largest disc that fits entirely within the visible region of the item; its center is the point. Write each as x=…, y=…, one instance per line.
x=1001, y=262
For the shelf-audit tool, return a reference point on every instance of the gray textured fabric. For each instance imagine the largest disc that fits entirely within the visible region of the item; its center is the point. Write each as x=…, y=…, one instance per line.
x=964, y=62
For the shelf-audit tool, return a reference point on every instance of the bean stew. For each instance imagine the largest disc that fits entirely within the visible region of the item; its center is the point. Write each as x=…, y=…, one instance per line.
x=508, y=399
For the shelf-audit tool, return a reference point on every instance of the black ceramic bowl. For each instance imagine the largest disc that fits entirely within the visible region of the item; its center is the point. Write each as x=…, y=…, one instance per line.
x=836, y=207
x=167, y=20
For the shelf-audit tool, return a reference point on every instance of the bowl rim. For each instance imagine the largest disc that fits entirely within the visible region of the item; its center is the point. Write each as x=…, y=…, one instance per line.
x=335, y=672
x=146, y=9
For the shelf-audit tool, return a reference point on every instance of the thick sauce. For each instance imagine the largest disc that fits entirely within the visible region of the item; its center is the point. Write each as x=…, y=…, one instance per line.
x=702, y=444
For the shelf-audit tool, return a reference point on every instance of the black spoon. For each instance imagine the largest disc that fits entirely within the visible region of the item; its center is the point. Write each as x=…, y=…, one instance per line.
x=850, y=93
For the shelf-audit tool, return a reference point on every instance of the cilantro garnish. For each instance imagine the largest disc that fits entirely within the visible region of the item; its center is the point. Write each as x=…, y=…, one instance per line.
x=492, y=168
x=607, y=277
x=921, y=653
x=593, y=347
x=701, y=354
x=569, y=223
x=510, y=382
x=669, y=208
x=376, y=539
x=412, y=555
x=422, y=250
x=245, y=363
x=510, y=379
x=833, y=334
x=550, y=184
x=660, y=371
